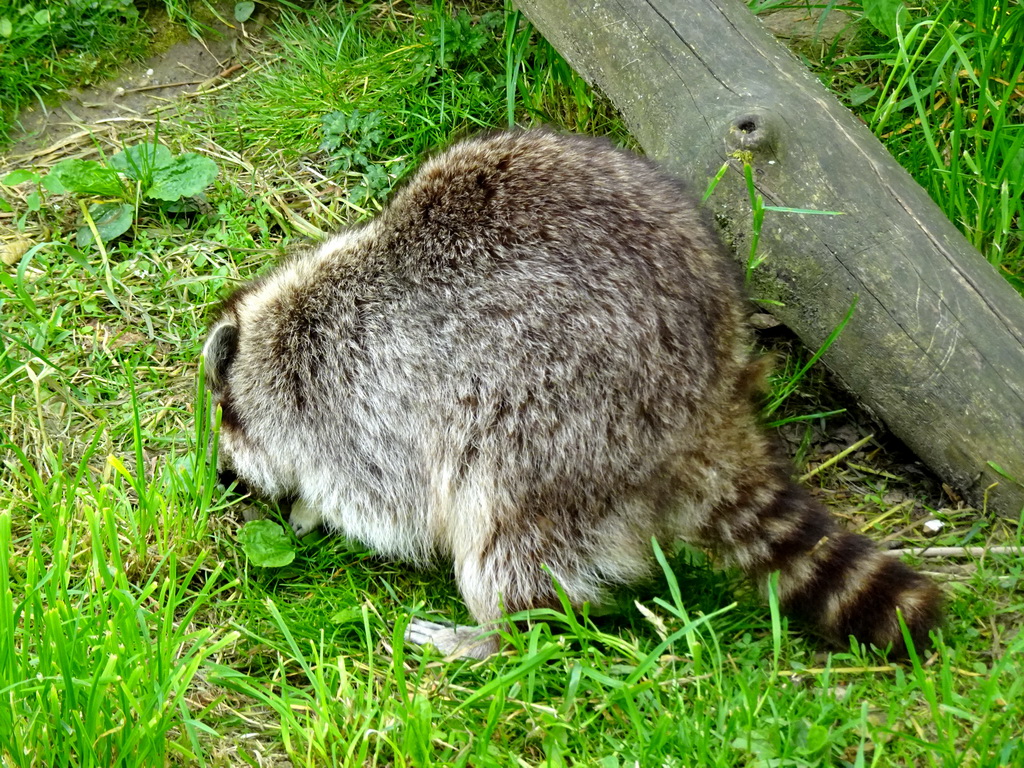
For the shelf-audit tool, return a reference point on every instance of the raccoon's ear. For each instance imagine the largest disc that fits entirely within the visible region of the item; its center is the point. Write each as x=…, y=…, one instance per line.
x=219, y=351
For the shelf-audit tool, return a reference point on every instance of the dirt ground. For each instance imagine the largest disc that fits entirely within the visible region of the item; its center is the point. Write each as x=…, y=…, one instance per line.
x=142, y=92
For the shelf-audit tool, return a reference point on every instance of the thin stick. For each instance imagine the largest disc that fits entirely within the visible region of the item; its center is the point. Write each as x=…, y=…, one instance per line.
x=856, y=671
x=838, y=457
x=889, y=513
x=834, y=670
x=202, y=91
x=158, y=86
x=956, y=551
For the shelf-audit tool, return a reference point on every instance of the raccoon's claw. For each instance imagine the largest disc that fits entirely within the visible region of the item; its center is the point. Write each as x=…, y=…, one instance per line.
x=303, y=519
x=451, y=640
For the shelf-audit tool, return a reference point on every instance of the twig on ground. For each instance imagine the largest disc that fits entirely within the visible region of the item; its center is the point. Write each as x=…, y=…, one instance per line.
x=838, y=457
x=956, y=551
x=887, y=514
x=158, y=86
x=902, y=532
x=857, y=671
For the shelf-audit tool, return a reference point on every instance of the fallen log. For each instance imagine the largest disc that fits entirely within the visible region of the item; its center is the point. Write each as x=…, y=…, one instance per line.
x=935, y=347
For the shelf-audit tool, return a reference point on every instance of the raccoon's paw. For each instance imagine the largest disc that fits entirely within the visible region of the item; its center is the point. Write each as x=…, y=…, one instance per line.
x=451, y=640
x=304, y=519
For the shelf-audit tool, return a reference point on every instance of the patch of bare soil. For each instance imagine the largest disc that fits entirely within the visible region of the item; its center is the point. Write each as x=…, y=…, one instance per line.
x=809, y=25
x=141, y=94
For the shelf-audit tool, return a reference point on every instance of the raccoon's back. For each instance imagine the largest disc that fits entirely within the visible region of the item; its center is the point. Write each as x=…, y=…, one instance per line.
x=566, y=306
x=563, y=242
x=570, y=199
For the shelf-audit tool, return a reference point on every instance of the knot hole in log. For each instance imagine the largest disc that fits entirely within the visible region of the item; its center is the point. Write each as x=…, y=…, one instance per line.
x=751, y=132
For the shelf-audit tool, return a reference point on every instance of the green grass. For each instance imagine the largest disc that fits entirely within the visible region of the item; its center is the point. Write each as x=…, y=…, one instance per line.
x=951, y=109
x=132, y=630
x=943, y=88
x=425, y=76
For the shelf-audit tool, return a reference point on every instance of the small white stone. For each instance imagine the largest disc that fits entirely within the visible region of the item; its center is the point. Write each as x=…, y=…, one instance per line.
x=933, y=527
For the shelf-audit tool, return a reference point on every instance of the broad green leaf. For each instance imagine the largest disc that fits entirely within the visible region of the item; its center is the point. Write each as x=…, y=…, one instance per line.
x=266, y=544
x=883, y=15
x=34, y=200
x=52, y=184
x=6, y=28
x=244, y=10
x=187, y=175
x=816, y=741
x=351, y=615
x=111, y=220
x=859, y=94
x=87, y=177
x=141, y=161
x=19, y=176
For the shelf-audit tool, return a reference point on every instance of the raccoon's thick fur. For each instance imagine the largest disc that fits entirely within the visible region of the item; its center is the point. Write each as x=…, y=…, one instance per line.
x=536, y=355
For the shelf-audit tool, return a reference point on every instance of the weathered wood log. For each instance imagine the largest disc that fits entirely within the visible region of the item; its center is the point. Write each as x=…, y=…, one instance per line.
x=935, y=347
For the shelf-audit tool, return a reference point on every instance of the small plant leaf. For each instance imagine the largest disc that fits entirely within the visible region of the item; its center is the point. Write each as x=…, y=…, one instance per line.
x=141, y=161
x=87, y=177
x=53, y=184
x=266, y=544
x=111, y=220
x=19, y=176
x=883, y=15
x=244, y=10
x=6, y=28
x=353, y=614
x=859, y=94
x=185, y=176
x=815, y=742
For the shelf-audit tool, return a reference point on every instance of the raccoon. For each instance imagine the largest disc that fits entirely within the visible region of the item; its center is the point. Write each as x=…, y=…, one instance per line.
x=534, y=360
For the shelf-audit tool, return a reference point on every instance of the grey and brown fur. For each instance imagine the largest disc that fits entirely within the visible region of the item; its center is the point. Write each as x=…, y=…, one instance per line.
x=535, y=355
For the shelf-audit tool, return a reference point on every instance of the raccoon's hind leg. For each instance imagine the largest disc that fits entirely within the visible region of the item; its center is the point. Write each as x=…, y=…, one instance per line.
x=836, y=580
x=506, y=567
x=469, y=642
x=480, y=583
x=489, y=582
